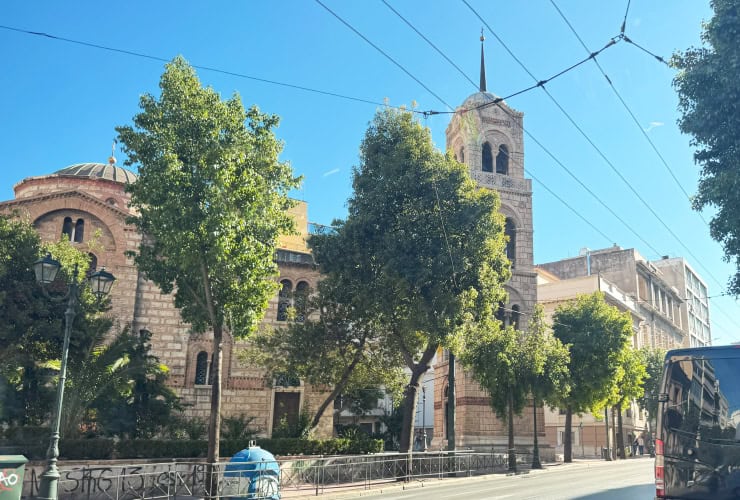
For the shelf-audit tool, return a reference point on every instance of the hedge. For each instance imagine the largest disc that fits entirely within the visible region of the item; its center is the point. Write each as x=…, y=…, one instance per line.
x=101, y=449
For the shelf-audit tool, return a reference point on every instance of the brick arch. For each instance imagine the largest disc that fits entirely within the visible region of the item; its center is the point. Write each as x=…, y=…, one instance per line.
x=509, y=212
x=113, y=221
x=198, y=343
x=92, y=223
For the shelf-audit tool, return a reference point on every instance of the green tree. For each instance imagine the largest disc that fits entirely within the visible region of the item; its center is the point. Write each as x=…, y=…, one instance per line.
x=334, y=347
x=211, y=200
x=545, y=368
x=422, y=249
x=31, y=325
x=653, y=359
x=142, y=404
x=499, y=363
x=596, y=334
x=628, y=385
x=709, y=100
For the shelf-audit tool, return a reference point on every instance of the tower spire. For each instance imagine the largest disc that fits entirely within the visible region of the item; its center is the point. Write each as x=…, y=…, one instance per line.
x=482, y=64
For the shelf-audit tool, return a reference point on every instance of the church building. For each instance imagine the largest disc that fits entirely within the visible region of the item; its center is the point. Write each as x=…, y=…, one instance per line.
x=487, y=135
x=87, y=204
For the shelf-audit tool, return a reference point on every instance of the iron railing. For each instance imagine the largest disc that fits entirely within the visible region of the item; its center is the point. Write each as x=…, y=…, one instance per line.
x=299, y=476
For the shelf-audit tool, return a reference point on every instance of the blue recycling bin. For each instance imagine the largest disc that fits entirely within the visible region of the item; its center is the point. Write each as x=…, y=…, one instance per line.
x=251, y=474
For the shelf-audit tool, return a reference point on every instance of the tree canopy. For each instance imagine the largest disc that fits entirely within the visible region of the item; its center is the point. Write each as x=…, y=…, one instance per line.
x=596, y=335
x=334, y=346
x=422, y=249
x=709, y=99
x=211, y=200
x=31, y=325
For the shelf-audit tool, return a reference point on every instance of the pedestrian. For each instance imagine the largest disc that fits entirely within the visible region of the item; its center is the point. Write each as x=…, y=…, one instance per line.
x=634, y=447
x=641, y=444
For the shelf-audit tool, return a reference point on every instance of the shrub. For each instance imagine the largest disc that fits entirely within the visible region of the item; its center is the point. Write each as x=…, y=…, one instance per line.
x=90, y=449
x=238, y=428
x=161, y=448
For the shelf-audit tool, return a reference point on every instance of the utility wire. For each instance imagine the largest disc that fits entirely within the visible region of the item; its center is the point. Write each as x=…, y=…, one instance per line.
x=625, y=105
x=497, y=102
x=205, y=68
x=541, y=84
x=656, y=56
x=598, y=150
x=399, y=65
x=452, y=63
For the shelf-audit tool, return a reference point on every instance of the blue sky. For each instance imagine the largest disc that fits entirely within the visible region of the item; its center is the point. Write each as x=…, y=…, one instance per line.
x=61, y=100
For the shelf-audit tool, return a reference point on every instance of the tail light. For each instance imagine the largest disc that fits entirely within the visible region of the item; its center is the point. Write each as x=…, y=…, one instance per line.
x=659, y=471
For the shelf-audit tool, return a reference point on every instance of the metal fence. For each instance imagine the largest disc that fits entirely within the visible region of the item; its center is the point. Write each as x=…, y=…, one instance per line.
x=299, y=476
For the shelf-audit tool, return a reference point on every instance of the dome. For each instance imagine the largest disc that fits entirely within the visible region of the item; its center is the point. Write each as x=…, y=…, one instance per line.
x=98, y=171
x=479, y=98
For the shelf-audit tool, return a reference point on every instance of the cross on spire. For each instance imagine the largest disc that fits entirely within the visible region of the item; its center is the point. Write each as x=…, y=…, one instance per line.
x=482, y=64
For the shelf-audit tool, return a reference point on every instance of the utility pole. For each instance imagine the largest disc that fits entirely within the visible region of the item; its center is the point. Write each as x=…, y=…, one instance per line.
x=451, y=403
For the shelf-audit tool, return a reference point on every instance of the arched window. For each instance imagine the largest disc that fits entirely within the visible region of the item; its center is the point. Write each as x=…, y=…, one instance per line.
x=67, y=228
x=301, y=301
x=515, y=316
x=510, y=231
x=79, y=231
x=487, y=158
x=285, y=379
x=462, y=155
x=201, y=368
x=93, y=262
x=286, y=287
x=502, y=160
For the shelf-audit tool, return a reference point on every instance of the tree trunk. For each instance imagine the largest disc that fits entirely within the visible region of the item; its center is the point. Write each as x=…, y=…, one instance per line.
x=615, y=451
x=606, y=422
x=567, y=447
x=620, y=431
x=411, y=395
x=510, y=422
x=339, y=387
x=214, y=425
x=536, y=464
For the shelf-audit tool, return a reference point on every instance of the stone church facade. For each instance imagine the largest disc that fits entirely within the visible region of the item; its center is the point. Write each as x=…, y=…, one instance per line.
x=487, y=135
x=87, y=204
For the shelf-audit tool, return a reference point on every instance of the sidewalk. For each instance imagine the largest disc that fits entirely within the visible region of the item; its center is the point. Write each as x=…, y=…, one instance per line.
x=358, y=490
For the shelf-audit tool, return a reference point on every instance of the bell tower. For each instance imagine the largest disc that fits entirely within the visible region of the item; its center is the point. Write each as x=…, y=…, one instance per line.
x=487, y=135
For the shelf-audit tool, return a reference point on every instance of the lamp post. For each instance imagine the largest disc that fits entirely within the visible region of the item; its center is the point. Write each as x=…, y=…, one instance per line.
x=100, y=282
x=424, y=415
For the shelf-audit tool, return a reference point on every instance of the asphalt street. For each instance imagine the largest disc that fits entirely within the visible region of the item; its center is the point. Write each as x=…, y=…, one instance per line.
x=625, y=479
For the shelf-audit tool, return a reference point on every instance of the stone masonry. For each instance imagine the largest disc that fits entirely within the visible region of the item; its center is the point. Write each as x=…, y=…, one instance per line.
x=92, y=196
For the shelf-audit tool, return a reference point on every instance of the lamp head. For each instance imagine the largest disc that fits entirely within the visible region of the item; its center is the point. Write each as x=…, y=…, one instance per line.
x=46, y=269
x=101, y=282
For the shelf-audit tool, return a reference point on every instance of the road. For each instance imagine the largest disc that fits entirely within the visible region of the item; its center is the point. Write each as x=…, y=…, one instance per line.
x=631, y=479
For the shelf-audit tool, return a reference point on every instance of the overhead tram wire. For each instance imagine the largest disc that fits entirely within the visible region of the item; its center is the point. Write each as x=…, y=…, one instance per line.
x=624, y=103
x=497, y=103
x=399, y=65
x=201, y=67
x=596, y=148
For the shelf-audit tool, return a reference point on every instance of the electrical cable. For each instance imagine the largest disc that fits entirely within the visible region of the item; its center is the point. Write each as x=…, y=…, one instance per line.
x=541, y=84
x=205, y=68
x=629, y=185
x=387, y=56
x=625, y=105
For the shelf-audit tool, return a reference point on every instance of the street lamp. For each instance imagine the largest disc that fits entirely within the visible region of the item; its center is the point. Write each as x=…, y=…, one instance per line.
x=100, y=282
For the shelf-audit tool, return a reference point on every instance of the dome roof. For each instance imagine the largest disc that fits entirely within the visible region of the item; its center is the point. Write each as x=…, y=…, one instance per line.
x=98, y=171
x=479, y=98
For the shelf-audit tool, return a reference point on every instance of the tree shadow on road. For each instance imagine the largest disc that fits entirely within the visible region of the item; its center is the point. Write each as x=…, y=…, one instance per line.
x=646, y=490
